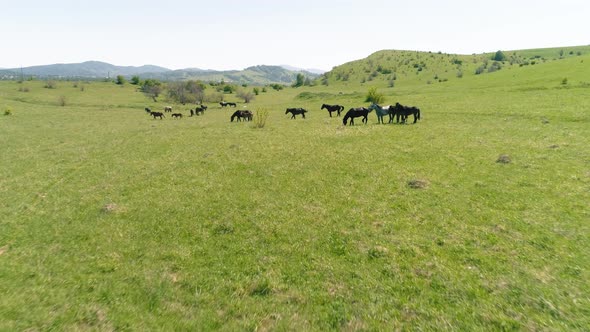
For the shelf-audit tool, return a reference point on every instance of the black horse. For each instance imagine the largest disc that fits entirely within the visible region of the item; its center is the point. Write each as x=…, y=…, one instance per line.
x=177, y=115
x=295, y=111
x=200, y=109
x=157, y=115
x=224, y=104
x=245, y=114
x=333, y=108
x=148, y=110
x=355, y=113
x=405, y=111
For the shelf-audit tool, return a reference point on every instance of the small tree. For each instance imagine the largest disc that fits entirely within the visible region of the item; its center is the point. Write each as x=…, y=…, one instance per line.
x=151, y=88
x=374, y=97
x=228, y=89
x=499, y=56
x=135, y=80
x=299, y=80
x=256, y=91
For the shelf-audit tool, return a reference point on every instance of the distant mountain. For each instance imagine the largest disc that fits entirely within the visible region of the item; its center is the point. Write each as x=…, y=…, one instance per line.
x=89, y=69
x=256, y=75
x=311, y=70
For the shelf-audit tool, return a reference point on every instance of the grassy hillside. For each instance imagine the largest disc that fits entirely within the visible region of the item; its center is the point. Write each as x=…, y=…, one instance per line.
x=402, y=68
x=112, y=220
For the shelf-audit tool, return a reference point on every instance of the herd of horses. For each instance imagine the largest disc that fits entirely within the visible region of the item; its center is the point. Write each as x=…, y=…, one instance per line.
x=397, y=111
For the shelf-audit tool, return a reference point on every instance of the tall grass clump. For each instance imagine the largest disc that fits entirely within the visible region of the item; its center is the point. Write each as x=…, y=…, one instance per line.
x=260, y=117
x=62, y=101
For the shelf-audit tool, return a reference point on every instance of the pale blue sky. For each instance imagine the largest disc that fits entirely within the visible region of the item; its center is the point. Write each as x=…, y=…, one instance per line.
x=233, y=34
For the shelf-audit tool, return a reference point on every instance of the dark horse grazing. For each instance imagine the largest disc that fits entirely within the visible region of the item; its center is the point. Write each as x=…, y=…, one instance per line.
x=405, y=111
x=157, y=115
x=177, y=115
x=295, y=111
x=333, y=108
x=245, y=114
x=355, y=113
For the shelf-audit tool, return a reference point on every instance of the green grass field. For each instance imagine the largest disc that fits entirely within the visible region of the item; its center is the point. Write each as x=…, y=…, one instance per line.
x=111, y=220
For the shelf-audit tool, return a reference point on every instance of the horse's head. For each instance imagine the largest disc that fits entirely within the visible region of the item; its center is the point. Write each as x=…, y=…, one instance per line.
x=323, y=106
x=287, y=111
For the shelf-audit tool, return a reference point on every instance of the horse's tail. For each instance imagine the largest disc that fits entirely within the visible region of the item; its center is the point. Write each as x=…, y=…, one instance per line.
x=417, y=113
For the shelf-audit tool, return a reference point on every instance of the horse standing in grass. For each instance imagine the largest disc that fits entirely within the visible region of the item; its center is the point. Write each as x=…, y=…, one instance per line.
x=224, y=104
x=333, y=108
x=245, y=114
x=200, y=109
x=167, y=108
x=157, y=115
x=382, y=111
x=177, y=115
x=355, y=113
x=405, y=111
x=295, y=111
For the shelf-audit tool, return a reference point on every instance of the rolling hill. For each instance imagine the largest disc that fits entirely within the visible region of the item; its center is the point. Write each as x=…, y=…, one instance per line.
x=394, y=67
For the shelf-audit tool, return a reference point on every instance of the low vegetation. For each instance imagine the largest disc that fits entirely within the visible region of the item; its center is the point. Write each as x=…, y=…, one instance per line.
x=474, y=218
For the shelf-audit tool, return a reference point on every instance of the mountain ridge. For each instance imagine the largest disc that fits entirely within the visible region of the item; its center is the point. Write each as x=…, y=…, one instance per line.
x=257, y=75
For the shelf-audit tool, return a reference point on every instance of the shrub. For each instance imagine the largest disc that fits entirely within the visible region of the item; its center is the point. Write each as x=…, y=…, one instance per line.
x=61, y=101
x=276, y=86
x=374, y=97
x=564, y=81
x=50, y=85
x=120, y=80
x=135, y=80
x=494, y=67
x=8, y=111
x=260, y=117
x=246, y=95
x=480, y=70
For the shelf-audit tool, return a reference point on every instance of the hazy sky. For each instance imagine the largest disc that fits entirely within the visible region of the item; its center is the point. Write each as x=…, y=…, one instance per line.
x=234, y=34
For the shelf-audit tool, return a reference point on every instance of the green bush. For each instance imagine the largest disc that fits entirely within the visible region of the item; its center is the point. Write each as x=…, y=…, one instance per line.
x=8, y=111
x=374, y=97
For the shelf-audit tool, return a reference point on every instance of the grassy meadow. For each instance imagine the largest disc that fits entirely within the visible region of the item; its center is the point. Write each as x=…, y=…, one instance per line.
x=111, y=220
